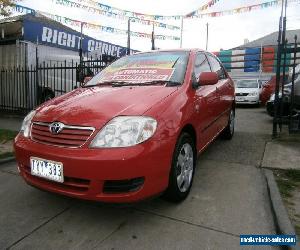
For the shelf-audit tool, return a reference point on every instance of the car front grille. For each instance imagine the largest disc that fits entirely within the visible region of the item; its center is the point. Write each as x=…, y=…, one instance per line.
x=69, y=136
x=241, y=94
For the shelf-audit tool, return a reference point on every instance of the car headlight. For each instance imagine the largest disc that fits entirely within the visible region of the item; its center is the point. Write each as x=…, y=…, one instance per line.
x=253, y=94
x=125, y=131
x=272, y=97
x=25, y=128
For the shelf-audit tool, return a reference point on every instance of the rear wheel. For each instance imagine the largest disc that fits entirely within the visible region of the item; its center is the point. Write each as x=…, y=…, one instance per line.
x=228, y=132
x=182, y=169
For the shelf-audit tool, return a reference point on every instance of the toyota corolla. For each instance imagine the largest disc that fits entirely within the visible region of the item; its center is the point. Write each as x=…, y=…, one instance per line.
x=133, y=131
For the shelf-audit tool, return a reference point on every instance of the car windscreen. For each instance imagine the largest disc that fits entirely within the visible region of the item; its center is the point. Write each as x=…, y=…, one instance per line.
x=145, y=67
x=246, y=84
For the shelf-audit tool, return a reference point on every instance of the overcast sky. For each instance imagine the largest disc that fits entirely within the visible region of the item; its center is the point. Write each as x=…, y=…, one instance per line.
x=224, y=32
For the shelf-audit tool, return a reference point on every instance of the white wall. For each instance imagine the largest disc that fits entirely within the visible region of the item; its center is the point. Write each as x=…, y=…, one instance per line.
x=50, y=55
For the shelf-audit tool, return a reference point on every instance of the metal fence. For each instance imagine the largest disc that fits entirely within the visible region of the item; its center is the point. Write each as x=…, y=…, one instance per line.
x=23, y=88
x=287, y=94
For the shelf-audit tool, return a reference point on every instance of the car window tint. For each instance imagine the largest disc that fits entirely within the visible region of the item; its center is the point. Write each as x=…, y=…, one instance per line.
x=201, y=65
x=217, y=67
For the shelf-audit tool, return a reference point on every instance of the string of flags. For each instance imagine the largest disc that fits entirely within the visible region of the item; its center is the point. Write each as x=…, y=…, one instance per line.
x=198, y=14
x=76, y=23
x=127, y=13
x=148, y=19
x=143, y=18
x=120, y=14
x=202, y=8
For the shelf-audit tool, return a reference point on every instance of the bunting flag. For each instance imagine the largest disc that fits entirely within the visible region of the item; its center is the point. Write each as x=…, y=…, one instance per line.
x=119, y=15
x=23, y=10
x=274, y=3
x=127, y=13
x=86, y=25
x=202, y=8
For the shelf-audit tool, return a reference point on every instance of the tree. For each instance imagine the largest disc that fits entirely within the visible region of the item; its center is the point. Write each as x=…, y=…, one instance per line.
x=5, y=7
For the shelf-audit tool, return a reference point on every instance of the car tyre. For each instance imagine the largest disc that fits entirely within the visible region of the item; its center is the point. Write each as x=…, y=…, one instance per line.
x=182, y=169
x=228, y=131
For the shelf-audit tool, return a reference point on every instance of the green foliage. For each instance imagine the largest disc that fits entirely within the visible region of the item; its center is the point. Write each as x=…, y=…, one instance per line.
x=6, y=155
x=5, y=7
x=7, y=135
x=288, y=181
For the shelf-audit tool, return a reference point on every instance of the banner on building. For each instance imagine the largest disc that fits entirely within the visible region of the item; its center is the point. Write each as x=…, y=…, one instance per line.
x=65, y=39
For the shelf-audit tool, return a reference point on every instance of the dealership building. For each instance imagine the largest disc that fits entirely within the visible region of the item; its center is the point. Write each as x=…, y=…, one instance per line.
x=258, y=58
x=39, y=59
x=22, y=35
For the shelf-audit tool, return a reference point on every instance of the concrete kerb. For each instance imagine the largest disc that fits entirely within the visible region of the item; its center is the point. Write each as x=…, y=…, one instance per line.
x=282, y=221
x=8, y=159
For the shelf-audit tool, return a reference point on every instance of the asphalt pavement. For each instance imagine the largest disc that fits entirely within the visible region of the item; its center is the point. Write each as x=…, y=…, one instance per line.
x=229, y=197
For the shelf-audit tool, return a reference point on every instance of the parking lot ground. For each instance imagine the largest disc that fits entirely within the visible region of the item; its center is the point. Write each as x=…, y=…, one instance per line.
x=12, y=123
x=229, y=197
x=277, y=153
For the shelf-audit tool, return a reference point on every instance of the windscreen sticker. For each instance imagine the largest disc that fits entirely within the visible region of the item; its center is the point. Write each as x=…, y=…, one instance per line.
x=139, y=75
x=151, y=64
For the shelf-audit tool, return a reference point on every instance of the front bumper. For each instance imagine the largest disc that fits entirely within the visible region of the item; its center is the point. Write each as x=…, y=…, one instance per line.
x=270, y=107
x=87, y=170
x=247, y=99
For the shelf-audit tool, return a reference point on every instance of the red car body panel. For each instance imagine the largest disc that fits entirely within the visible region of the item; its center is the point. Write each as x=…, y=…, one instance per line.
x=204, y=111
x=268, y=89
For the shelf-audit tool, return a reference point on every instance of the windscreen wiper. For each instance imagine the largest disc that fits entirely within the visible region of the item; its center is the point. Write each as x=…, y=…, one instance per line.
x=125, y=83
x=98, y=84
x=168, y=83
x=122, y=84
x=155, y=82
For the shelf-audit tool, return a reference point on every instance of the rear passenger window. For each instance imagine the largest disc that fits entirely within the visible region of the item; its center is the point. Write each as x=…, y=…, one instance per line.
x=217, y=67
x=201, y=65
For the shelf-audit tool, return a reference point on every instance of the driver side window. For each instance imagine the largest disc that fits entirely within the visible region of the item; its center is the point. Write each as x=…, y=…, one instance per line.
x=201, y=65
x=217, y=67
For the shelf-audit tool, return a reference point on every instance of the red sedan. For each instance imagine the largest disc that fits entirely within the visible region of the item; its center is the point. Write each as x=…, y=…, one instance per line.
x=133, y=131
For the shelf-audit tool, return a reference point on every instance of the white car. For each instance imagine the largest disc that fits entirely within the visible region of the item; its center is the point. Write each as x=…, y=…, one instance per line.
x=247, y=91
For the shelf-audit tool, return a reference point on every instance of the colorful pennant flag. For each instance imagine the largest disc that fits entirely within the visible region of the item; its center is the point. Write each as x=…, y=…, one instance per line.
x=202, y=8
x=119, y=14
x=243, y=9
x=127, y=13
x=76, y=23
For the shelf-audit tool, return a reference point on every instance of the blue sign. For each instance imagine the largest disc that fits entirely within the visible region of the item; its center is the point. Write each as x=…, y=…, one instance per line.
x=268, y=240
x=65, y=39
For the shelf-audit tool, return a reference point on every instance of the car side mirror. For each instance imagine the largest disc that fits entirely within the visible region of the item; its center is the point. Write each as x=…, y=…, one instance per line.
x=208, y=78
x=85, y=80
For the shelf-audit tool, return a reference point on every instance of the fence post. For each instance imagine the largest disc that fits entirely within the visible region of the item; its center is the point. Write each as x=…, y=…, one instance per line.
x=36, y=77
x=293, y=85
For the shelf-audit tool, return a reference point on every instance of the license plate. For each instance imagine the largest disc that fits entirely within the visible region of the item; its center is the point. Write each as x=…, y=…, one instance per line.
x=240, y=99
x=47, y=169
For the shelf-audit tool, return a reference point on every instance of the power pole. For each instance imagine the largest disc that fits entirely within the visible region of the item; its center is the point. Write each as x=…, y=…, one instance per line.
x=280, y=41
x=81, y=37
x=206, y=36
x=152, y=39
x=128, y=38
x=181, y=31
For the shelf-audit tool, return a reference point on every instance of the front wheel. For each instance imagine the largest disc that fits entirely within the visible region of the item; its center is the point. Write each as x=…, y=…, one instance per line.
x=228, y=131
x=182, y=169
